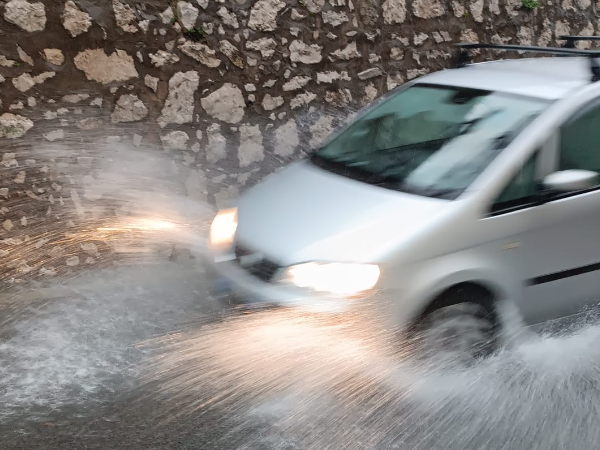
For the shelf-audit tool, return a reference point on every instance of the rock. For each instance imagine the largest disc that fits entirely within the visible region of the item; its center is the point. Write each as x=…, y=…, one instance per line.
x=394, y=11
x=330, y=77
x=129, y=108
x=297, y=15
x=335, y=18
x=562, y=28
x=347, y=53
x=469, y=36
x=4, y=62
x=320, y=130
x=179, y=106
x=188, y=14
x=314, y=6
x=296, y=83
x=201, y=53
x=39, y=79
x=428, y=9
x=72, y=261
x=124, y=15
x=525, y=35
x=414, y=73
x=14, y=126
x=476, y=8
x=270, y=103
x=90, y=248
x=54, y=135
x=494, y=6
x=27, y=16
x=2, y=79
x=286, y=138
x=370, y=73
x=304, y=53
x=90, y=260
x=396, y=54
x=250, y=87
x=75, y=21
x=340, y=97
x=370, y=93
x=105, y=69
x=459, y=9
x=369, y=12
x=217, y=144
x=8, y=225
x=151, y=82
x=420, y=38
x=302, y=99
x=75, y=98
x=167, y=16
x=226, y=104
x=24, y=56
x=228, y=18
x=251, y=148
x=394, y=81
x=137, y=140
x=232, y=53
x=161, y=58
x=175, y=140
x=48, y=272
x=54, y=56
x=203, y=3
x=263, y=15
x=20, y=178
x=23, y=82
x=91, y=123
x=266, y=46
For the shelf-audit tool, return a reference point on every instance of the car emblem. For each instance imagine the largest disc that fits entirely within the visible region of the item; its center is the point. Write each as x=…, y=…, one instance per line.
x=248, y=260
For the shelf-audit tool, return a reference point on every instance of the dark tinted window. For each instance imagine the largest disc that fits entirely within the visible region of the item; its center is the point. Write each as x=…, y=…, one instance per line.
x=580, y=142
x=521, y=190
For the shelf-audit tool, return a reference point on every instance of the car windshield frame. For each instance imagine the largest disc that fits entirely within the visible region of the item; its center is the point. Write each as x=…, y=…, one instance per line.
x=388, y=182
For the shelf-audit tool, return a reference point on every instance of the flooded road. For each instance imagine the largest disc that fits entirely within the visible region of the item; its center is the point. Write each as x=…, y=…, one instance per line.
x=141, y=357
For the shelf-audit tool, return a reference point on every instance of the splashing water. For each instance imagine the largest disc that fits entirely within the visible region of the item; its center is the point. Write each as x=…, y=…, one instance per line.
x=295, y=380
x=316, y=385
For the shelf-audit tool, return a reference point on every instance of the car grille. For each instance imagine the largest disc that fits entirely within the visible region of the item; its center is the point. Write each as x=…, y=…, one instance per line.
x=262, y=269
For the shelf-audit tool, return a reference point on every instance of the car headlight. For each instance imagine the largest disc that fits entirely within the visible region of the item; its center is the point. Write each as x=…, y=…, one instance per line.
x=336, y=278
x=223, y=228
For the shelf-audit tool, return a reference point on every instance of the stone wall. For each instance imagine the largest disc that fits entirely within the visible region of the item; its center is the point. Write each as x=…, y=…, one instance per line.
x=226, y=90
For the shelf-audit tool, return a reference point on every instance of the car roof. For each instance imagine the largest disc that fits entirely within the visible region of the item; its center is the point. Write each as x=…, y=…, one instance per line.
x=548, y=78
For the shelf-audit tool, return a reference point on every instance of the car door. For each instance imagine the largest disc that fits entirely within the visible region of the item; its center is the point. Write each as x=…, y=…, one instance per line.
x=511, y=217
x=561, y=257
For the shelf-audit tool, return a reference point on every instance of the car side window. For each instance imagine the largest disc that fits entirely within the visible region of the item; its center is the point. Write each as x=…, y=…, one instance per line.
x=520, y=191
x=580, y=142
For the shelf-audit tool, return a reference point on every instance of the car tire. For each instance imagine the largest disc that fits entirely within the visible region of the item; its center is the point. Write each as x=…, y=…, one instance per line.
x=461, y=325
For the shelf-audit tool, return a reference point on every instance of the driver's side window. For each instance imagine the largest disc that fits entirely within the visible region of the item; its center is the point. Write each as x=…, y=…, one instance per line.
x=520, y=191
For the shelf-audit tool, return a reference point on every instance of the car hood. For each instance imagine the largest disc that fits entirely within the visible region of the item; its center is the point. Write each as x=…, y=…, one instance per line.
x=305, y=213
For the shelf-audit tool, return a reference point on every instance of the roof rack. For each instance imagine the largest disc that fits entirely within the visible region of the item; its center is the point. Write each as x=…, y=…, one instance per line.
x=572, y=39
x=463, y=57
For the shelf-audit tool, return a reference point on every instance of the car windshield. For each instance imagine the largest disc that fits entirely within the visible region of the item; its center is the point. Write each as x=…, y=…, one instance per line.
x=429, y=140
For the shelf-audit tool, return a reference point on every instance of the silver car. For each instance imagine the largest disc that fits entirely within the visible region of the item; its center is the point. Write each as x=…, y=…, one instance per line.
x=451, y=197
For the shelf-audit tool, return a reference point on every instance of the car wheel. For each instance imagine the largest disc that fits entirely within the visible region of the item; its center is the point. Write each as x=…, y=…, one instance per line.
x=457, y=328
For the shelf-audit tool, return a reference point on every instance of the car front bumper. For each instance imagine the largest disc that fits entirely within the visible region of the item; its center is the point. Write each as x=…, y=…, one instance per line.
x=234, y=285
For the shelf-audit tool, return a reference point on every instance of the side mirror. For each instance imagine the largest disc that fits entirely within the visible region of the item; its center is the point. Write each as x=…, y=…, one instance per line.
x=571, y=180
